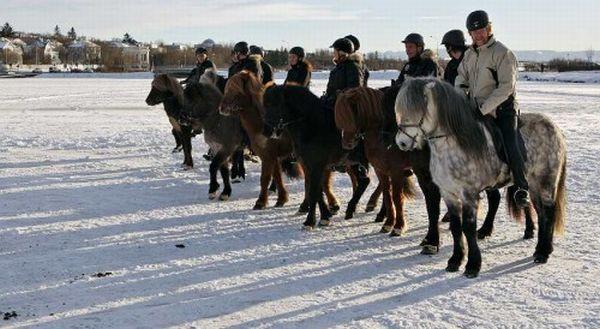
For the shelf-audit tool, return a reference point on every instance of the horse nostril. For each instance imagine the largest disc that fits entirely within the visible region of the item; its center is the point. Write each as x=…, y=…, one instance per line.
x=403, y=144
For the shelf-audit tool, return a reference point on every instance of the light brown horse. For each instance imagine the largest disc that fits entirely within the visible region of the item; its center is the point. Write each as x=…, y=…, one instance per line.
x=359, y=115
x=243, y=97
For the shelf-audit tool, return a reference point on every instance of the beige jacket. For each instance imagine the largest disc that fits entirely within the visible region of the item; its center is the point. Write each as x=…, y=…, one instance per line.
x=475, y=75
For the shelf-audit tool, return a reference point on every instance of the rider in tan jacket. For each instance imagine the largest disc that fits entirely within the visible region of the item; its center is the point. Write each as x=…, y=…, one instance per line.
x=488, y=73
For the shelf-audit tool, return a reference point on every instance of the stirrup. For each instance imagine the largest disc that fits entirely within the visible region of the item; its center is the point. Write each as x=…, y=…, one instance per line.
x=522, y=201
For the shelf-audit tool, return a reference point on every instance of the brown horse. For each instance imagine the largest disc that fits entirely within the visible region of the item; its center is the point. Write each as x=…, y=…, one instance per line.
x=243, y=97
x=168, y=91
x=359, y=115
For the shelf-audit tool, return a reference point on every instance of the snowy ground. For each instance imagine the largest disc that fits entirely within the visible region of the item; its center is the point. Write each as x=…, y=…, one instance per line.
x=88, y=186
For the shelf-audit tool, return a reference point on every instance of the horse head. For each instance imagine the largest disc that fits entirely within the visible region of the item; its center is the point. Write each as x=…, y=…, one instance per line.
x=277, y=115
x=415, y=111
x=242, y=91
x=358, y=111
x=163, y=88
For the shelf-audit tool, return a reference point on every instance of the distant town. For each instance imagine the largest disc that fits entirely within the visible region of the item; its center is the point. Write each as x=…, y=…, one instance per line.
x=70, y=52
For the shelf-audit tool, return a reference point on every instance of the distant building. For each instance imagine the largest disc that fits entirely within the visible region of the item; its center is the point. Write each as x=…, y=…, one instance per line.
x=128, y=57
x=10, y=53
x=208, y=43
x=41, y=51
x=84, y=52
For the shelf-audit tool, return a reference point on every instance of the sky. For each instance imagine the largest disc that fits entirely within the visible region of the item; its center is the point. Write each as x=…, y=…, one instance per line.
x=379, y=24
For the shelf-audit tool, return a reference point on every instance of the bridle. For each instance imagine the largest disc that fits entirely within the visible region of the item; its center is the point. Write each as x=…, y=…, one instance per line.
x=419, y=125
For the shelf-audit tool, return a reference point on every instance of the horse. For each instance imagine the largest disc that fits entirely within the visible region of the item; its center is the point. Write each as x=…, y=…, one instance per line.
x=243, y=100
x=168, y=91
x=464, y=161
x=317, y=142
x=359, y=116
x=223, y=134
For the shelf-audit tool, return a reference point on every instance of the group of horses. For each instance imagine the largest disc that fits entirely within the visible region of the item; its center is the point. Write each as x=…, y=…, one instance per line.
x=426, y=128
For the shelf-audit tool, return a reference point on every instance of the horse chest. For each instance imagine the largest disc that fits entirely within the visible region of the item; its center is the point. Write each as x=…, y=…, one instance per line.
x=212, y=142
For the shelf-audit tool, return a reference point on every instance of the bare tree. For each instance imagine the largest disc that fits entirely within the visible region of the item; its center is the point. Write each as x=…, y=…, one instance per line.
x=589, y=54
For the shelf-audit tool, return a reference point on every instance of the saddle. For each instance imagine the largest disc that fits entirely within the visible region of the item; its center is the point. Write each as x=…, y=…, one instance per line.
x=498, y=139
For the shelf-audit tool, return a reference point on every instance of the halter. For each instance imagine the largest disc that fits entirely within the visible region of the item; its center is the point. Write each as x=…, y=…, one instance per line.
x=420, y=126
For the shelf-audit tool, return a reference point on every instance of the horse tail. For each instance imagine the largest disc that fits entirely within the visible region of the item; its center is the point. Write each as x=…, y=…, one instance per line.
x=560, y=200
x=291, y=168
x=408, y=188
x=514, y=211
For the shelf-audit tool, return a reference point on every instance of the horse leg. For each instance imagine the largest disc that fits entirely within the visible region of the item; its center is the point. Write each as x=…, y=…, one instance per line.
x=529, y=225
x=487, y=228
x=226, y=194
x=186, y=140
x=432, y=201
x=178, y=144
x=362, y=182
x=215, y=165
x=315, y=181
x=390, y=212
x=372, y=204
x=545, y=231
x=239, y=173
x=458, y=252
x=273, y=186
x=334, y=206
x=398, y=199
x=325, y=213
x=381, y=214
x=282, y=195
x=469, y=228
x=303, y=209
x=266, y=173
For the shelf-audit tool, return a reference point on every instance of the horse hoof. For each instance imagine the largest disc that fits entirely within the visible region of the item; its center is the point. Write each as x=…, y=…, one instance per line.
x=379, y=219
x=186, y=167
x=540, y=259
x=334, y=209
x=307, y=228
x=396, y=232
x=279, y=204
x=224, y=197
x=212, y=196
x=481, y=235
x=177, y=150
x=349, y=215
x=386, y=229
x=259, y=206
x=452, y=268
x=471, y=274
x=325, y=222
x=236, y=181
x=424, y=243
x=430, y=250
x=369, y=208
x=528, y=236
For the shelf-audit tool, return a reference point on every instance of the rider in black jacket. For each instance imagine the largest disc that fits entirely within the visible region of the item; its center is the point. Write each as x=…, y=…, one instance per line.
x=419, y=64
x=360, y=57
x=347, y=72
x=300, y=69
x=202, y=64
x=455, y=43
x=267, y=70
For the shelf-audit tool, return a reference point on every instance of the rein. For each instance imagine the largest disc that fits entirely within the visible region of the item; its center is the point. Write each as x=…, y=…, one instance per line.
x=419, y=125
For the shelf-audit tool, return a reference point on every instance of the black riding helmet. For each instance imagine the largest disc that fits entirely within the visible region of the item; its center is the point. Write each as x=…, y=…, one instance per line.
x=454, y=38
x=201, y=50
x=344, y=45
x=354, y=41
x=477, y=20
x=415, y=38
x=241, y=47
x=256, y=50
x=298, y=51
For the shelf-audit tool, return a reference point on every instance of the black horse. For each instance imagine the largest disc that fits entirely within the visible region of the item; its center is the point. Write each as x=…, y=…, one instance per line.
x=223, y=134
x=317, y=142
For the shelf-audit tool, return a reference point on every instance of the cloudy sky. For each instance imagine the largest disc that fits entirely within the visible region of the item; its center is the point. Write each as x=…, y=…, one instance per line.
x=380, y=24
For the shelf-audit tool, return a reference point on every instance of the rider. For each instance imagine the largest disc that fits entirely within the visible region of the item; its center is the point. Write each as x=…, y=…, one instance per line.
x=454, y=40
x=300, y=69
x=488, y=73
x=420, y=62
x=202, y=64
x=267, y=70
x=347, y=72
x=240, y=58
x=359, y=57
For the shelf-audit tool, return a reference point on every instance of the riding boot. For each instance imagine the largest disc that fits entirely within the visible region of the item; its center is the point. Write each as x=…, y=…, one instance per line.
x=507, y=121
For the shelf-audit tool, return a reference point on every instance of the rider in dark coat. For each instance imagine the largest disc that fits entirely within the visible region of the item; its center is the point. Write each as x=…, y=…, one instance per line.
x=347, y=72
x=300, y=69
x=358, y=55
x=420, y=63
x=202, y=64
x=455, y=43
x=267, y=70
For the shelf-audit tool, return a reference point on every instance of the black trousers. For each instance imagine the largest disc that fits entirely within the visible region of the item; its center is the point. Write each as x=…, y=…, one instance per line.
x=506, y=119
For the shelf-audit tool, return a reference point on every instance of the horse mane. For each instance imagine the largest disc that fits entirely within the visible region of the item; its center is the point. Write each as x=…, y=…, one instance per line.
x=164, y=82
x=359, y=108
x=247, y=83
x=457, y=116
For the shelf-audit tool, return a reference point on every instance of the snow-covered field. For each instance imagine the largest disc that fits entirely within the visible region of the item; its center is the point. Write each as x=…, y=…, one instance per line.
x=93, y=204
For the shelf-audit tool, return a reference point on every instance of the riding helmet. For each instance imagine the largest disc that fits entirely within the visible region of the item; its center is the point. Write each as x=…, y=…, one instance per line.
x=256, y=50
x=344, y=45
x=354, y=41
x=477, y=20
x=241, y=47
x=201, y=50
x=415, y=38
x=298, y=51
x=454, y=38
